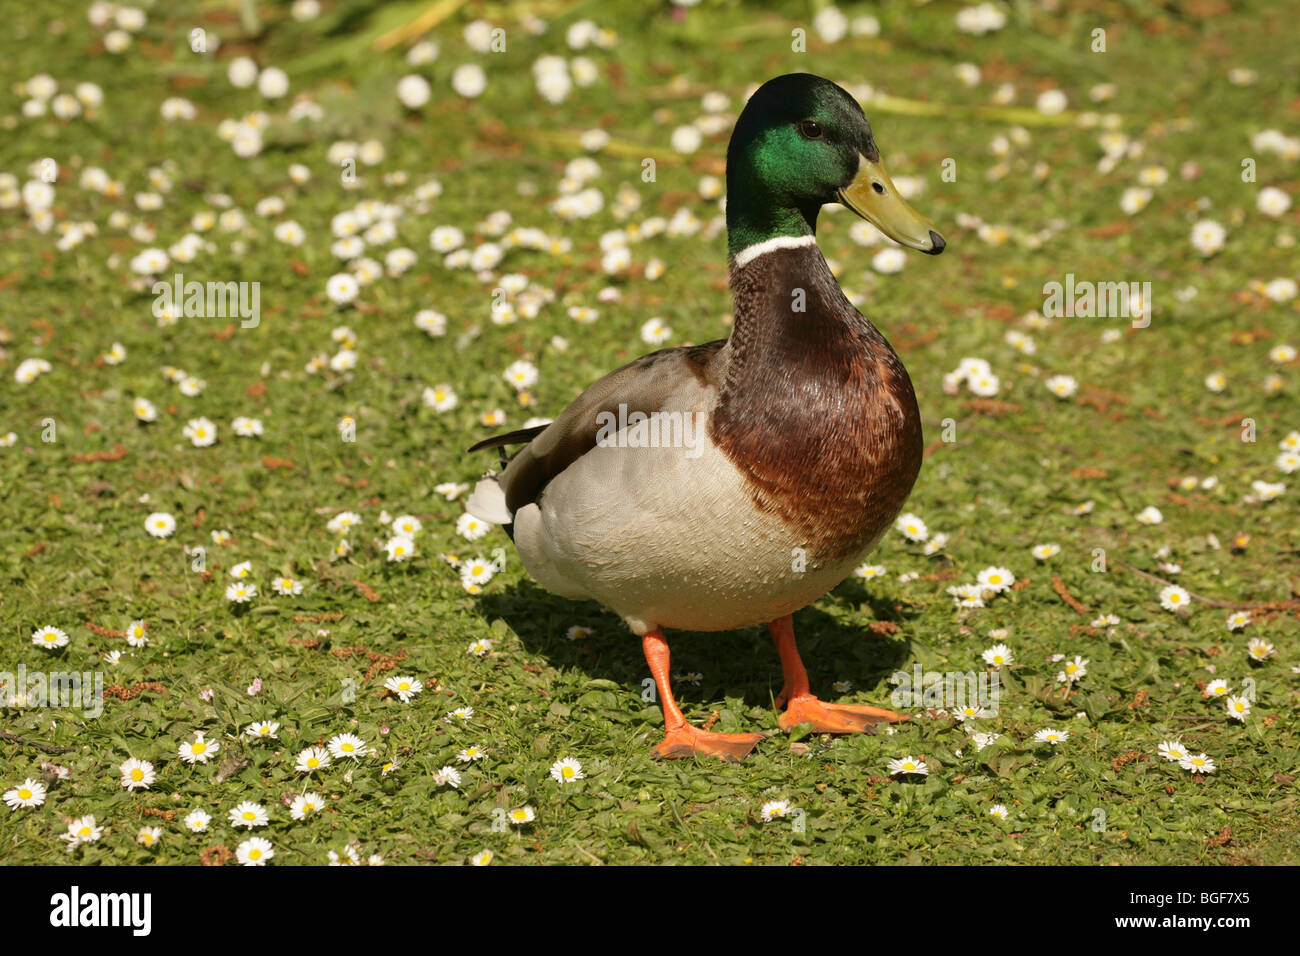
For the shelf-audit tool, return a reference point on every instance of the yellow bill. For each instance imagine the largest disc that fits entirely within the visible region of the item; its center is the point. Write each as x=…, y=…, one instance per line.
x=874, y=197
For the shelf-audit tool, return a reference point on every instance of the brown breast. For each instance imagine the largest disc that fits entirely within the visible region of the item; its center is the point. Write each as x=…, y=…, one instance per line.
x=816, y=409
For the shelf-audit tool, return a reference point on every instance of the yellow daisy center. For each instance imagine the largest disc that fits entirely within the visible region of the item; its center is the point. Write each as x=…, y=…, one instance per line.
x=24, y=794
x=137, y=774
x=254, y=854
x=567, y=773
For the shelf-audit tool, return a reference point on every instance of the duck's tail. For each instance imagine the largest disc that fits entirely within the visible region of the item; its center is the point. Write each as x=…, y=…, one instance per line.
x=487, y=502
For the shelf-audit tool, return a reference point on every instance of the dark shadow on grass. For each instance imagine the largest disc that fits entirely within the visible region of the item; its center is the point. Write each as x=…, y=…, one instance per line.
x=731, y=663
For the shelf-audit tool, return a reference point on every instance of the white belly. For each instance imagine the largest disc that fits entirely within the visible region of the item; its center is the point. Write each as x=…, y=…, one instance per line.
x=666, y=540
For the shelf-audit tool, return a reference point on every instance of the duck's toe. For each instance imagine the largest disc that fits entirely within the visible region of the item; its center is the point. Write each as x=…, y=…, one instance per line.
x=688, y=741
x=835, y=718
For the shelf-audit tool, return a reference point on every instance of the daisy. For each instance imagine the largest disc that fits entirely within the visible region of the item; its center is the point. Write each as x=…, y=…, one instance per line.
x=198, y=750
x=351, y=857
x=477, y=571
x=999, y=655
x=996, y=579
x=908, y=764
x=911, y=527
x=404, y=687
x=137, y=634
x=49, y=637
x=409, y=525
x=521, y=374
x=305, y=804
x=200, y=432
x=1272, y=201
x=471, y=528
x=249, y=814
x=469, y=80
x=1238, y=708
x=136, y=774
x=246, y=427
x=1172, y=750
x=399, y=548
x=312, y=758
x=348, y=745
x=441, y=398
x=1173, y=597
x=470, y=754
x=1076, y=669
x=1260, y=649
x=655, y=332
x=1044, y=551
x=1062, y=386
x=342, y=288
x=286, y=586
x=1150, y=515
x=460, y=713
x=1105, y=620
x=774, y=810
x=1199, y=763
x=1050, y=736
x=482, y=858
x=522, y=815
x=982, y=740
x=26, y=795
x=1216, y=688
x=196, y=821
x=480, y=648
x=254, y=851
x=998, y=810
x=160, y=524
x=1208, y=237
x=342, y=521
x=241, y=593
x=971, y=712
x=82, y=830
x=578, y=632
x=148, y=836
x=869, y=571
x=566, y=770
x=447, y=777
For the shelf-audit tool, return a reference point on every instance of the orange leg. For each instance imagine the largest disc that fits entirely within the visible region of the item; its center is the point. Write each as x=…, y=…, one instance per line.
x=803, y=708
x=681, y=739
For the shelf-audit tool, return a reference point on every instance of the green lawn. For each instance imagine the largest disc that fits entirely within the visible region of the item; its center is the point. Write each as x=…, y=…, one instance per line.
x=1004, y=473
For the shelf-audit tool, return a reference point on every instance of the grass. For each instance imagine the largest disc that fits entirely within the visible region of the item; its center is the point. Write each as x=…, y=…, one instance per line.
x=73, y=552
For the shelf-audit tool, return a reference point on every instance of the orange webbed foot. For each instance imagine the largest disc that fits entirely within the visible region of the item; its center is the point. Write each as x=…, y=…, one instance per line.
x=687, y=741
x=835, y=718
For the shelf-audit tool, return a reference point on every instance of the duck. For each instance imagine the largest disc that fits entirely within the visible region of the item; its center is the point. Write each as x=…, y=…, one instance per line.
x=722, y=486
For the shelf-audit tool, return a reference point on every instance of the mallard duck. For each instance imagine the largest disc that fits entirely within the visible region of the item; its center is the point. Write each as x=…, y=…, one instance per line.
x=719, y=486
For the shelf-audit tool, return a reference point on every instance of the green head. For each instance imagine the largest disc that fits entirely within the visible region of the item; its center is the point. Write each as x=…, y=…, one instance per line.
x=802, y=142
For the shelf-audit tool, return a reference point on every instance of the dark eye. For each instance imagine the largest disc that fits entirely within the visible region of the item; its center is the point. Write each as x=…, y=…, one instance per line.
x=880, y=190
x=810, y=129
